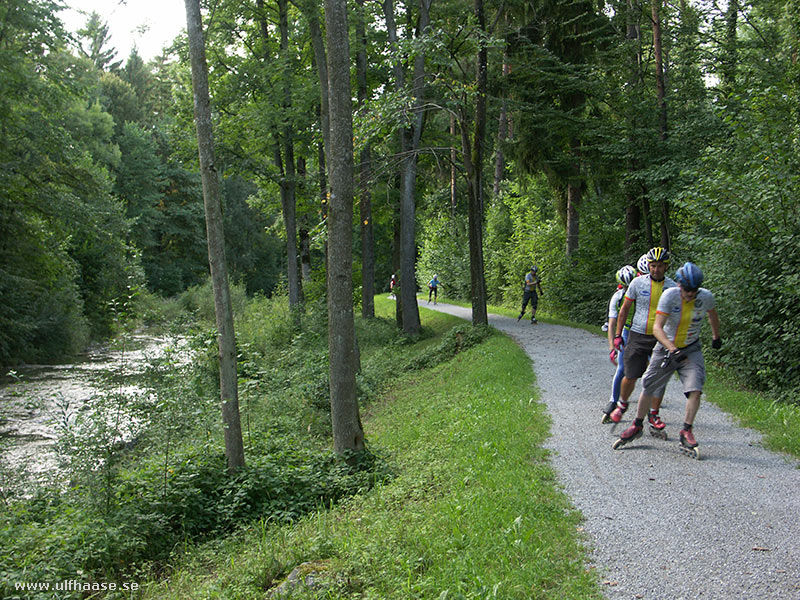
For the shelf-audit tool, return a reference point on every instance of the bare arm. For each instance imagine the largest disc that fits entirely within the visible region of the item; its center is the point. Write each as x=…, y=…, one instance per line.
x=612, y=327
x=622, y=318
x=713, y=320
x=660, y=335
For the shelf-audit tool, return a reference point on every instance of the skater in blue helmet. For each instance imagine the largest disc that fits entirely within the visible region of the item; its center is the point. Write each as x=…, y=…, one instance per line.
x=643, y=294
x=531, y=283
x=625, y=275
x=433, y=289
x=679, y=317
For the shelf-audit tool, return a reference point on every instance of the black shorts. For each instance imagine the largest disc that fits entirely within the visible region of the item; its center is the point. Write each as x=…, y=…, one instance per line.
x=637, y=354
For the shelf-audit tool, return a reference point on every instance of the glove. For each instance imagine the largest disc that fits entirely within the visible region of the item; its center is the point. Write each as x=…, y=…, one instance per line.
x=716, y=343
x=612, y=356
x=618, y=343
x=677, y=356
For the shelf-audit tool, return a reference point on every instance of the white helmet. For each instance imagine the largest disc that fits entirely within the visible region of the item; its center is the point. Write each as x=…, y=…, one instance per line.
x=642, y=265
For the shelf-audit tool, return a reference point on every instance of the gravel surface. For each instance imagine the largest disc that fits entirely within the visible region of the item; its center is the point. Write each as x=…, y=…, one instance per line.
x=658, y=523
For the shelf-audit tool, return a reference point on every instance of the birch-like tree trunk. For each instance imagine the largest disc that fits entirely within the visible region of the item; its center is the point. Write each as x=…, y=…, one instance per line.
x=226, y=340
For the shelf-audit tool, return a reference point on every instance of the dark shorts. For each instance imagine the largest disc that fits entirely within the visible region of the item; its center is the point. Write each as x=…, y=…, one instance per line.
x=530, y=296
x=637, y=354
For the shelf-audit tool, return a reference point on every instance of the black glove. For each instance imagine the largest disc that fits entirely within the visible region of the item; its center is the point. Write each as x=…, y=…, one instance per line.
x=716, y=343
x=677, y=356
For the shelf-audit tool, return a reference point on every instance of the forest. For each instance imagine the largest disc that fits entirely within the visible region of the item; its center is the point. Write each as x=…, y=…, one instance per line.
x=350, y=142
x=573, y=135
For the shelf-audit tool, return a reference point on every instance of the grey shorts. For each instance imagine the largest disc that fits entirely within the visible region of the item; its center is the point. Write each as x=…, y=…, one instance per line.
x=692, y=371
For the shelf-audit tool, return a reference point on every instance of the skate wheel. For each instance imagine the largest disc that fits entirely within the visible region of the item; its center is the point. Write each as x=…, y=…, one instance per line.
x=605, y=419
x=661, y=434
x=619, y=443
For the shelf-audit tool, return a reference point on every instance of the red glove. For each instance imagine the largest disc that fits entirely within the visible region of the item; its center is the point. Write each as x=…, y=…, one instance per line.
x=612, y=356
x=618, y=343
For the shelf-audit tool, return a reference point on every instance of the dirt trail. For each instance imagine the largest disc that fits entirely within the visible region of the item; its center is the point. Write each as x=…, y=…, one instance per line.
x=659, y=524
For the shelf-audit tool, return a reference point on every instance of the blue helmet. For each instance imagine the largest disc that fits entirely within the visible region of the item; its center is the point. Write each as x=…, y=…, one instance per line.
x=625, y=275
x=689, y=276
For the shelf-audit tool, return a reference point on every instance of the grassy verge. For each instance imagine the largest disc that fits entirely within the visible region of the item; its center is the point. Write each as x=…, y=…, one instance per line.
x=778, y=421
x=473, y=509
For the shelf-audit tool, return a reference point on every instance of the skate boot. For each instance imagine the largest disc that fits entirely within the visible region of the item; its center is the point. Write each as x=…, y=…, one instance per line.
x=657, y=426
x=631, y=433
x=607, y=412
x=688, y=445
x=519, y=317
x=534, y=321
x=616, y=414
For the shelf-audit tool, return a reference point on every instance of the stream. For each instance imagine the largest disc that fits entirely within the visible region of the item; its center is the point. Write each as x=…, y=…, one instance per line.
x=39, y=401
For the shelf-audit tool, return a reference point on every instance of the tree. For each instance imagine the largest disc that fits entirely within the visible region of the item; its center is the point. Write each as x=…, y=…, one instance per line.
x=410, y=136
x=226, y=340
x=348, y=434
x=92, y=41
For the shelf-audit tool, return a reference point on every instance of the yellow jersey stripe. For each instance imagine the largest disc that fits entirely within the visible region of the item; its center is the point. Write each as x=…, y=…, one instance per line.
x=656, y=288
x=687, y=312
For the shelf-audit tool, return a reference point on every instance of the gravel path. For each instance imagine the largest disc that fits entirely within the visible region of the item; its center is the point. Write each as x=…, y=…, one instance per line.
x=660, y=524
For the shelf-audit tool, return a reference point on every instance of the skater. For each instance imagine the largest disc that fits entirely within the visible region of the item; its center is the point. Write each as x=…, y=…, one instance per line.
x=529, y=286
x=433, y=289
x=645, y=292
x=625, y=275
x=392, y=284
x=677, y=328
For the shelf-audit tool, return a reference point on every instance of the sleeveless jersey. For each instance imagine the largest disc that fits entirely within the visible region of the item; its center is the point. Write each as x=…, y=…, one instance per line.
x=684, y=319
x=646, y=293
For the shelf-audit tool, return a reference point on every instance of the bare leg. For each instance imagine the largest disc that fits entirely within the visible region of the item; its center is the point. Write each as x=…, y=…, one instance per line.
x=692, y=405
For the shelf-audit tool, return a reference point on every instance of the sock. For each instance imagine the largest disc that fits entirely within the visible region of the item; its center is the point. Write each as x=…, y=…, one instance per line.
x=638, y=422
x=687, y=426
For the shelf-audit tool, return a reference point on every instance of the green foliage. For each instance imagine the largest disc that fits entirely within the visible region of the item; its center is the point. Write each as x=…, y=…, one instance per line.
x=744, y=235
x=456, y=340
x=445, y=252
x=460, y=436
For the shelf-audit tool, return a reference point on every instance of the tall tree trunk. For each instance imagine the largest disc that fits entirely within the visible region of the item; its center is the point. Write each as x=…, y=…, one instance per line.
x=303, y=237
x=474, y=168
x=226, y=339
x=502, y=134
x=574, y=194
x=410, y=138
x=730, y=52
x=348, y=435
x=662, y=107
x=633, y=209
x=453, y=187
x=365, y=191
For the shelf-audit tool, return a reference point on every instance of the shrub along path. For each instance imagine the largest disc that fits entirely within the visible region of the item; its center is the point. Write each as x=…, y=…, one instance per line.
x=660, y=524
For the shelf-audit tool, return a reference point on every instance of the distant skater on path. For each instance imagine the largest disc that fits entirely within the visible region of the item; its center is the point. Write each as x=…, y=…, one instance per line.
x=433, y=289
x=529, y=287
x=679, y=317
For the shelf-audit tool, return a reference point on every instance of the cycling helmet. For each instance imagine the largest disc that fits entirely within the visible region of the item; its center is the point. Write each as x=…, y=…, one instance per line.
x=641, y=265
x=658, y=254
x=689, y=276
x=625, y=275
x=535, y=269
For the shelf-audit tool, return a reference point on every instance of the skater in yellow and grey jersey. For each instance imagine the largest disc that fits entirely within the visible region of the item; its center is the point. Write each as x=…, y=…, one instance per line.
x=680, y=316
x=645, y=292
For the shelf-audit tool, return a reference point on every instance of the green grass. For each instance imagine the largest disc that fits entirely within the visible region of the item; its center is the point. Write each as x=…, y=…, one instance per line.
x=473, y=509
x=779, y=422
